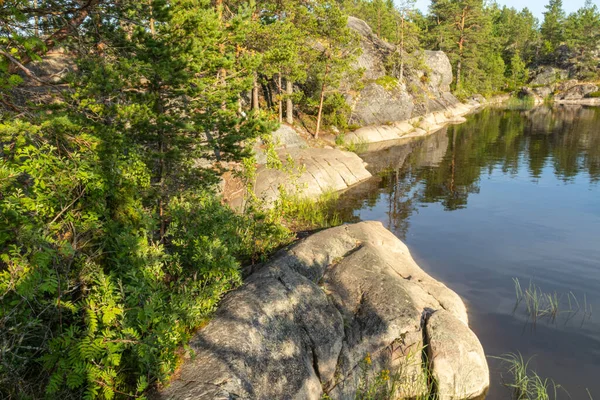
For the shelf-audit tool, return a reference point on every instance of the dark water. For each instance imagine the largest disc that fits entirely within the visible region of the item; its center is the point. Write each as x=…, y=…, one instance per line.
x=509, y=194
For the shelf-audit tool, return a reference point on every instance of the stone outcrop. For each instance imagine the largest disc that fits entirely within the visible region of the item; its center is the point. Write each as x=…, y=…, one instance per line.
x=285, y=137
x=413, y=127
x=329, y=314
x=389, y=108
x=547, y=75
x=311, y=172
x=576, y=92
x=553, y=83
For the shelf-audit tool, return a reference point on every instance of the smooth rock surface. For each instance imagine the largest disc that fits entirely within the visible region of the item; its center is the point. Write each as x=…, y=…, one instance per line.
x=548, y=75
x=340, y=305
x=314, y=172
x=285, y=137
x=456, y=357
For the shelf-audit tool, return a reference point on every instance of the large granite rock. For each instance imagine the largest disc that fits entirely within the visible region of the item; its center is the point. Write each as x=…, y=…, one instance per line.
x=440, y=71
x=386, y=100
x=310, y=173
x=577, y=92
x=547, y=75
x=328, y=315
x=456, y=358
x=417, y=126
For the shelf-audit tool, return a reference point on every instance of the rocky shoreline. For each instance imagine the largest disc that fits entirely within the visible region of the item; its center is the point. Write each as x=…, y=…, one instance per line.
x=329, y=315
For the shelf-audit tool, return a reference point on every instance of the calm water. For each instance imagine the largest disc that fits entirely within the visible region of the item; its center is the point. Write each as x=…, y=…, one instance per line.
x=509, y=194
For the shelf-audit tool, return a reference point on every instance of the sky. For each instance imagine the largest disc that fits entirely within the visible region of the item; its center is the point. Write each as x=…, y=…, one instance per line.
x=535, y=6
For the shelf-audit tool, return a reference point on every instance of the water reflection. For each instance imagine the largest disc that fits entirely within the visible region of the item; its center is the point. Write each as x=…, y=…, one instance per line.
x=446, y=167
x=506, y=194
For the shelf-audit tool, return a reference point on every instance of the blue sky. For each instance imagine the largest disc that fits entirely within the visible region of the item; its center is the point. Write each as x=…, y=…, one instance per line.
x=535, y=6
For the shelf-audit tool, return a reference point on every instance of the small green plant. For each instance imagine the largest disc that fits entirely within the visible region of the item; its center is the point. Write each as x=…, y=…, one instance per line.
x=357, y=146
x=408, y=379
x=302, y=213
x=526, y=384
x=539, y=304
x=387, y=82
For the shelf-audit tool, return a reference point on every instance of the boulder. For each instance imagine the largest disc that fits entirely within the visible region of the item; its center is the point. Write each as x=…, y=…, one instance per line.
x=374, y=50
x=456, y=358
x=577, y=92
x=546, y=75
x=440, y=71
x=378, y=105
x=329, y=315
x=386, y=97
x=542, y=91
x=285, y=137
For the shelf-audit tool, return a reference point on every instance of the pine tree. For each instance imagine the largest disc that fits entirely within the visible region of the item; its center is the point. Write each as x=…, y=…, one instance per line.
x=552, y=29
x=458, y=27
x=338, y=48
x=518, y=72
x=582, y=35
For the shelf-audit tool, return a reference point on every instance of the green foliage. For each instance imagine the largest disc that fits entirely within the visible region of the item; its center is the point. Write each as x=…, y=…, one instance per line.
x=303, y=213
x=91, y=304
x=518, y=72
x=552, y=29
x=387, y=82
x=520, y=103
x=582, y=35
x=593, y=95
x=526, y=384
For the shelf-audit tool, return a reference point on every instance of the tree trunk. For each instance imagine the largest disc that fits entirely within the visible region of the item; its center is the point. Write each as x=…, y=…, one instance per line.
x=461, y=43
x=152, y=29
x=402, y=50
x=319, y=115
x=255, y=105
x=289, y=107
x=36, y=20
x=267, y=92
x=279, y=98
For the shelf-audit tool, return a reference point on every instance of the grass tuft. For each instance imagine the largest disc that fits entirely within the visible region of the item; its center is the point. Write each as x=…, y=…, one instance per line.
x=549, y=305
x=526, y=384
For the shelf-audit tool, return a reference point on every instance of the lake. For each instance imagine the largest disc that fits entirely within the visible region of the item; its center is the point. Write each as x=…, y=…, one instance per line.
x=510, y=194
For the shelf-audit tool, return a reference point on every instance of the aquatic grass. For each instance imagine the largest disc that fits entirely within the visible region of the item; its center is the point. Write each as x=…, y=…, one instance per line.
x=540, y=304
x=526, y=384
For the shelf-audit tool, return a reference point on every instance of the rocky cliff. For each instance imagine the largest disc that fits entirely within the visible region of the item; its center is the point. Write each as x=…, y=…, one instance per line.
x=551, y=83
x=329, y=316
x=385, y=97
x=389, y=106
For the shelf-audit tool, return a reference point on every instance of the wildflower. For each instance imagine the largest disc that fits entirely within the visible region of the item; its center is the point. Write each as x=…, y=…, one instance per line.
x=385, y=375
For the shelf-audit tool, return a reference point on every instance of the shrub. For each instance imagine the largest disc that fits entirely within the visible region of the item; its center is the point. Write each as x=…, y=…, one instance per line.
x=92, y=303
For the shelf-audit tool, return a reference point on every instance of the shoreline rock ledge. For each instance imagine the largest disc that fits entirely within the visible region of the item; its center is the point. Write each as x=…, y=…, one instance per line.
x=334, y=313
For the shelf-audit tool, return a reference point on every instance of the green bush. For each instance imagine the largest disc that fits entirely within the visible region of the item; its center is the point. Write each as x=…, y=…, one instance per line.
x=93, y=304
